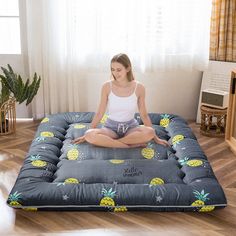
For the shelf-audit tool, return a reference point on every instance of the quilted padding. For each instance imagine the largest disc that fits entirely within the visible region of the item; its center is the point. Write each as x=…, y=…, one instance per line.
x=57, y=174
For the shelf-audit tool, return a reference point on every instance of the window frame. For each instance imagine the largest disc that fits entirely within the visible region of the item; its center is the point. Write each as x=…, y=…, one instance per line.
x=20, y=28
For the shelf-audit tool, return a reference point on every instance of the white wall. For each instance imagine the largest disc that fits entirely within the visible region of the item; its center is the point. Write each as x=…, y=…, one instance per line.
x=174, y=92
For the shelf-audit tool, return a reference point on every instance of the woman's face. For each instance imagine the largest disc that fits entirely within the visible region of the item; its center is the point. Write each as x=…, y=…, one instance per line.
x=119, y=71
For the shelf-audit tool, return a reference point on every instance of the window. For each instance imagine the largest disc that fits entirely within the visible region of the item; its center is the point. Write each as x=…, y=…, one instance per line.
x=9, y=27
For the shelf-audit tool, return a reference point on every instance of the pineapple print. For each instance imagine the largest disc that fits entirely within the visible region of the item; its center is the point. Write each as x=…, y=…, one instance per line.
x=107, y=200
x=71, y=181
x=73, y=153
x=104, y=118
x=30, y=209
x=35, y=161
x=46, y=134
x=156, y=181
x=79, y=126
x=183, y=162
x=207, y=208
x=116, y=161
x=201, y=198
x=177, y=138
x=164, y=122
x=192, y=163
x=200, y=202
x=148, y=152
x=45, y=120
x=14, y=198
x=120, y=209
x=39, y=139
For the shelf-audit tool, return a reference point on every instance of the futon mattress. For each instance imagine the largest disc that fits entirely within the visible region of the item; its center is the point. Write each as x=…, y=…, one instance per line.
x=59, y=175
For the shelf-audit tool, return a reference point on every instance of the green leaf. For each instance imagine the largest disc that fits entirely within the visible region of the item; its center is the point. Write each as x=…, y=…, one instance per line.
x=18, y=85
x=10, y=69
x=4, y=95
x=24, y=93
x=33, y=89
x=196, y=192
x=9, y=79
x=14, y=84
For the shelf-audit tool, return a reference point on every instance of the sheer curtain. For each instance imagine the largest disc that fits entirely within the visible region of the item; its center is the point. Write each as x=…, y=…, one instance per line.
x=69, y=38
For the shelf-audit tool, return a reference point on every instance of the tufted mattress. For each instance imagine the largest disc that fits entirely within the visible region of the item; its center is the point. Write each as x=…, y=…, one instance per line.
x=58, y=175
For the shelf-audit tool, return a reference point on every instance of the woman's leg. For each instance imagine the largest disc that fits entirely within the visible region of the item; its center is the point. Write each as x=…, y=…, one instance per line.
x=138, y=135
x=104, y=137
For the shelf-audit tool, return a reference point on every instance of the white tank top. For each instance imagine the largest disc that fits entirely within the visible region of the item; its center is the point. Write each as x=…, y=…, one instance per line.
x=122, y=109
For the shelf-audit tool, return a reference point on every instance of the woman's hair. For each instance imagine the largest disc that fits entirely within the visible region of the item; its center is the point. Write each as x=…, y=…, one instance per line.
x=125, y=61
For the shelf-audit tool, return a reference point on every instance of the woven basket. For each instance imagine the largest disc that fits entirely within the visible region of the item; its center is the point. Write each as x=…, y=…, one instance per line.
x=8, y=117
x=213, y=121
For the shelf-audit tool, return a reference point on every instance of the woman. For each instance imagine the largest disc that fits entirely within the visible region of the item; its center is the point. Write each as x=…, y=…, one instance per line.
x=121, y=96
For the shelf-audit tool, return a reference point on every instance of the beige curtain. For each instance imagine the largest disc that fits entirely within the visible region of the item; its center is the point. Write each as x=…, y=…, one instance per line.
x=223, y=31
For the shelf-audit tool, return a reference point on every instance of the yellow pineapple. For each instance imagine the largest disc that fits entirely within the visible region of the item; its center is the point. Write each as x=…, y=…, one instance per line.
x=46, y=134
x=200, y=202
x=207, y=208
x=73, y=153
x=201, y=198
x=148, y=152
x=79, y=126
x=107, y=200
x=157, y=181
x=116, y=161
x=177, y=138
x=197, y=203
x=192, y=163
x=30, y=209
x=120, y=209
x=14, y=198
x=104, y=118
x=164, y=122
x=45, y=120
x=71, y=181
x=35, y=161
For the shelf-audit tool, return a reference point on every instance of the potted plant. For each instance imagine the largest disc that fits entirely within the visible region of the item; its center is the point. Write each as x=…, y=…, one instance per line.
x=13, y=89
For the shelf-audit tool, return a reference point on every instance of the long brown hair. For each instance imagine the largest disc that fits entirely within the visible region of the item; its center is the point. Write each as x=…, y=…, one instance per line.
x=125, y=61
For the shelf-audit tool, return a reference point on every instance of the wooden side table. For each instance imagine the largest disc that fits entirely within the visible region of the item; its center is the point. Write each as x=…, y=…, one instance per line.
x=213, y=121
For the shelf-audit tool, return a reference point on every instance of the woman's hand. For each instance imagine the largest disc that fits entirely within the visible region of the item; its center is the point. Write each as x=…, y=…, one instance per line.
x=161, y=141
x=79, y=140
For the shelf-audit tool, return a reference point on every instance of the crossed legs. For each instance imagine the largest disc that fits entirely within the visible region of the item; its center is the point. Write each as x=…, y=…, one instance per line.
x=107, y=138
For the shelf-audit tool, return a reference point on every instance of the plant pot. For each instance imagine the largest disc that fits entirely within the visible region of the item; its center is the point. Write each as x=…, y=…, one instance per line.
x=8, y=117
x=4, y=126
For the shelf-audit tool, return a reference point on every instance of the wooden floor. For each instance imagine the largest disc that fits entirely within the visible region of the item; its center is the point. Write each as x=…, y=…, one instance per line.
x=13, y=149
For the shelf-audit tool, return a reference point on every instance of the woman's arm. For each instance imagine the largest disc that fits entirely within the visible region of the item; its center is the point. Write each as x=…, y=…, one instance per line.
x=102, y=106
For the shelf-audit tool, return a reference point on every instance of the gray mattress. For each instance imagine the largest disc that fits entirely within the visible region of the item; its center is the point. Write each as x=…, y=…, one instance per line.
x=57, y=175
